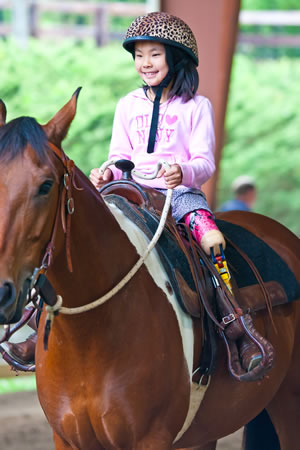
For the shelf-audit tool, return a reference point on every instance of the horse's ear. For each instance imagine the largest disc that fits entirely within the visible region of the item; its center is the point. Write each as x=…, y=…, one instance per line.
x=2, y=113
x=57, y=128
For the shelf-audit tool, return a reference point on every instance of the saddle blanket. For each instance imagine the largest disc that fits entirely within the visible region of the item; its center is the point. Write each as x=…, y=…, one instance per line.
x=268, y=263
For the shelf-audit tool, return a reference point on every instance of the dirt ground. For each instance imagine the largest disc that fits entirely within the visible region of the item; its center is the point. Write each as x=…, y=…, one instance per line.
x=24, y=427
x=22, y=423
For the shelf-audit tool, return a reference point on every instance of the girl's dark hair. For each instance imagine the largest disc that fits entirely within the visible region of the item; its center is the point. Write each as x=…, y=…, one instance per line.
x=186, y=78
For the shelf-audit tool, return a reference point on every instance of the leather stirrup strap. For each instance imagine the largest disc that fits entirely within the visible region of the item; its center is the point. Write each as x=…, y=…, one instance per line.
x=257, y=276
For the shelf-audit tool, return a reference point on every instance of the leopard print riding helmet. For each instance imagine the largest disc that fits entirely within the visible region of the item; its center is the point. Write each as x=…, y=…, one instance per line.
x=162, y=27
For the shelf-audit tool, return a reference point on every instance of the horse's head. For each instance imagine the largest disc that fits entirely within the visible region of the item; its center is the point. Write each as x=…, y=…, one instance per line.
x=31, y=172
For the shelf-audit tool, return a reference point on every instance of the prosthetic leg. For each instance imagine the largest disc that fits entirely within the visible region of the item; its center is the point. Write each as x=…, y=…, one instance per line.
x=207, y=234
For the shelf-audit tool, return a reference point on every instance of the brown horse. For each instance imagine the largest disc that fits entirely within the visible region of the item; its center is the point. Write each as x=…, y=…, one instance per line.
x=119, y=376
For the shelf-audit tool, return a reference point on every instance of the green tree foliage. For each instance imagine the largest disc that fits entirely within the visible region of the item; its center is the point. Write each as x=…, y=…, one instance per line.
x=116, y=23
x=38, y=82
x=263, y=123
x=263, y=119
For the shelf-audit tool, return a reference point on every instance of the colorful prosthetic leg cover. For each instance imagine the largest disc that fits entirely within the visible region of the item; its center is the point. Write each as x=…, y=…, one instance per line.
x=200, y=222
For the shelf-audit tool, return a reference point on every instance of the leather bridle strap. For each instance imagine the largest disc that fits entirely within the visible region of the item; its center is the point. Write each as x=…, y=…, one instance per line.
x=66, y=201
x=65, y=207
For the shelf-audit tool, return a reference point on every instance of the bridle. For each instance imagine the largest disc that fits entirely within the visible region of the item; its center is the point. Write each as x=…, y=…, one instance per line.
x=65, y=208
x=37, y=286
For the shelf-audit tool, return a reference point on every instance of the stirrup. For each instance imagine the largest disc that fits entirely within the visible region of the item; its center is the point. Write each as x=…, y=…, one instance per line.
x=249, y=354
x=250, y=361
x=22, y=352
x=255, y=361
x=242, y=366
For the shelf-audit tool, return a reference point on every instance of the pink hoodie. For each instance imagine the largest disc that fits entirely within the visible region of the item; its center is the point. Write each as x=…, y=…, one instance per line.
x=185, y=135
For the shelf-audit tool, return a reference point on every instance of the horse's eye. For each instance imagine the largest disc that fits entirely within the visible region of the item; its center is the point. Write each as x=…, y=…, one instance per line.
x=45, y=187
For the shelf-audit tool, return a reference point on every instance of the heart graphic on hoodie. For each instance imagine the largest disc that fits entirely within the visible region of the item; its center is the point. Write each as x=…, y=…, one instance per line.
x=171, y=119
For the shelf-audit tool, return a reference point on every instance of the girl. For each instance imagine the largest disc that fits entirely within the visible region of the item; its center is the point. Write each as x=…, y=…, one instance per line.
x=167, y=120
x=181, y=130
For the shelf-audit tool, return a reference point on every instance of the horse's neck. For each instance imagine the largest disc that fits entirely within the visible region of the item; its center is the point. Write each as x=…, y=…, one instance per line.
x=97, y=245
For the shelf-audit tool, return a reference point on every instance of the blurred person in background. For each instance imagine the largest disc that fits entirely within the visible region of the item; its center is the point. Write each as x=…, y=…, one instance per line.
x=245, y=193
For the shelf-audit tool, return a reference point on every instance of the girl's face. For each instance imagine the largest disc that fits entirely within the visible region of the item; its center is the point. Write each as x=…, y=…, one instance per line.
x=150, y=62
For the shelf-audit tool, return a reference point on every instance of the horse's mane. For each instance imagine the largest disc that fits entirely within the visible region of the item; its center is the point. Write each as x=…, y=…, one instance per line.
x=18, y=133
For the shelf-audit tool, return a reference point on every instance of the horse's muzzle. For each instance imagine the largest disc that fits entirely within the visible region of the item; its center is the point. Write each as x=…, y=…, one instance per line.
x=8, y=304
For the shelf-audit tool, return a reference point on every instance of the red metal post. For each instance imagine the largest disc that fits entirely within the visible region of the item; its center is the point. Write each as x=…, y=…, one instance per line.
x=215, y=25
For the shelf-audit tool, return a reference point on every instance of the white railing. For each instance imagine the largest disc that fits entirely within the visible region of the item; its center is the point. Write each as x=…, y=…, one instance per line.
x=277, y=18
x=272, y=18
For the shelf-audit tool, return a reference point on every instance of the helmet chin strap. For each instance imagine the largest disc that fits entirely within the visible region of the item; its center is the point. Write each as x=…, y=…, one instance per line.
x=159, y=90
x=155, y=113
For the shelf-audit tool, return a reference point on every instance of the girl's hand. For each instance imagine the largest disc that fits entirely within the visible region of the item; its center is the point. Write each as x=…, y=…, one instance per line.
x=173, y=176
x=98, y=180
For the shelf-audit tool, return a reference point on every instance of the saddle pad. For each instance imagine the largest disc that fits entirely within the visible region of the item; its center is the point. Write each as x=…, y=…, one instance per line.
x=269, y=264
x=172, y=257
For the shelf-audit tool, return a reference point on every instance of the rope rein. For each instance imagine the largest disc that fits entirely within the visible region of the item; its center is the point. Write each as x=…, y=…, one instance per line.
x=58, y=308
